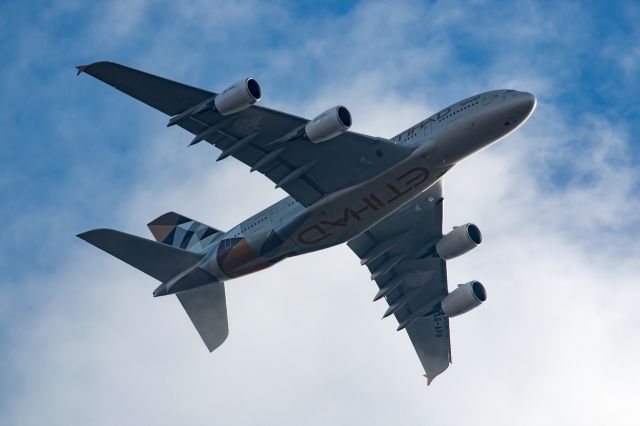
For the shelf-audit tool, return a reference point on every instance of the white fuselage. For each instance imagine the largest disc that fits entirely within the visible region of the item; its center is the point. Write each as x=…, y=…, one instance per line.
x=439, y=142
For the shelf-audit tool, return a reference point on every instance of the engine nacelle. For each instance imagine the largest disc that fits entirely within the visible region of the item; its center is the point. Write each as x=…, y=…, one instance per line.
x=459, y=241
x=237, y=97
x=464, y=298
x=328, y=125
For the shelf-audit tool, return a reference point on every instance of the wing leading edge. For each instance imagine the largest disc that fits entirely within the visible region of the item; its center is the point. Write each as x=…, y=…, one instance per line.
x=261, y=137
x=399, y=253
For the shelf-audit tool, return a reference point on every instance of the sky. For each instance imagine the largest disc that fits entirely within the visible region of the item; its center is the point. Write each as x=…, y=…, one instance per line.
x=82, y=340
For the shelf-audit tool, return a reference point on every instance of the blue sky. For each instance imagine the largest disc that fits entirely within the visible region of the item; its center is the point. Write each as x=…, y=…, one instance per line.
x=78, y=154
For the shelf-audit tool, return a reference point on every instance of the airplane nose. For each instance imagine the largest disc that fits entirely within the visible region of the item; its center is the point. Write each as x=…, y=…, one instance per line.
x=522, y=106
x=528, y=101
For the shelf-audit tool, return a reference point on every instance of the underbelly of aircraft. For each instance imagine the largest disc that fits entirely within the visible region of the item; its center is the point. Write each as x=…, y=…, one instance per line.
x=342, y=218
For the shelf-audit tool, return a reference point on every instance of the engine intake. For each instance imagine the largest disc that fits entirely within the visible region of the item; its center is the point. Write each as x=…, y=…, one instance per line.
x=464, y=298
x=238, y=96
x=459, y=241
x=328, y=125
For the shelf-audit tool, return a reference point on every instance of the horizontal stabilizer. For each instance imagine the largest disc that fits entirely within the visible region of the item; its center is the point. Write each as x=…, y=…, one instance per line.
x=207, y=309
x=160, y=261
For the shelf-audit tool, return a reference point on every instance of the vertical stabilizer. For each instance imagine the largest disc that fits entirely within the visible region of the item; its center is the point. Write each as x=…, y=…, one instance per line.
x=179, y=231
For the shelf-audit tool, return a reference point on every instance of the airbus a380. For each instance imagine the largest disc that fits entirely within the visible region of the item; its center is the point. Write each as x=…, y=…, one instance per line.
x=383, y=197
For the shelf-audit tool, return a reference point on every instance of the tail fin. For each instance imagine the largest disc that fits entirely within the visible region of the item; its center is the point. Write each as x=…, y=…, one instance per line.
x=160, y=261
x=180, y=231
x=207, y=309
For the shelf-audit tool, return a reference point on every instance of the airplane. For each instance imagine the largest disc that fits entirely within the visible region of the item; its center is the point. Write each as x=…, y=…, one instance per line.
x=383, y=197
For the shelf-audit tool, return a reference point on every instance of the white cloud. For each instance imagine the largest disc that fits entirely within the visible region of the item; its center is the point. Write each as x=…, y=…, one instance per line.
x=555, y=342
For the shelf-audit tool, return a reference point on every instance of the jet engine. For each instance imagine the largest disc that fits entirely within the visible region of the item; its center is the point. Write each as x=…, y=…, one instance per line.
x=328, y=125
x=459, y=241
x=238, y=96
x=463, y=299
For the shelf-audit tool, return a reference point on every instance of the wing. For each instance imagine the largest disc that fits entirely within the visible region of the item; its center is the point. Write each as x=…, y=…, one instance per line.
x=258, y=136
x=399, y=252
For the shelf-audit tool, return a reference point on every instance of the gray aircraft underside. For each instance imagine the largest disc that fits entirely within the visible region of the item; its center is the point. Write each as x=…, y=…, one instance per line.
x=381, y=196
